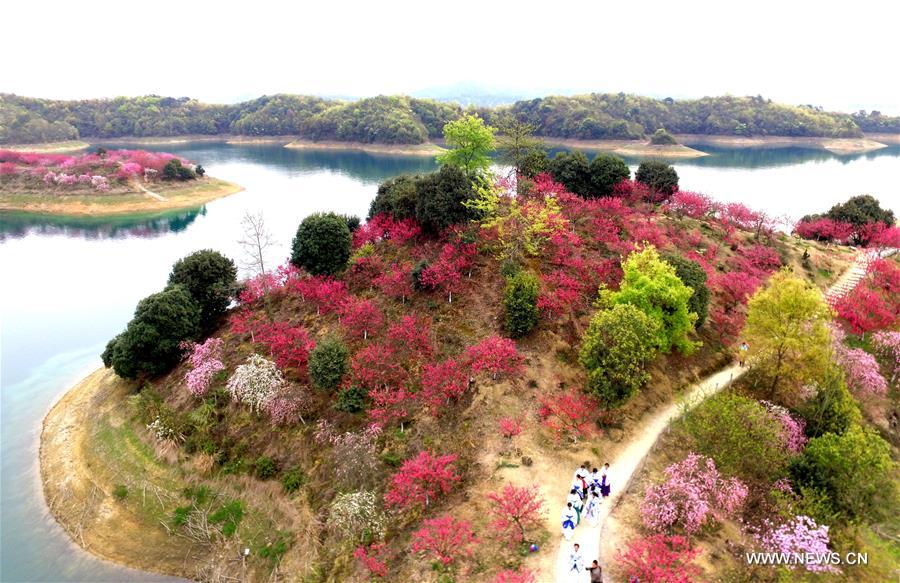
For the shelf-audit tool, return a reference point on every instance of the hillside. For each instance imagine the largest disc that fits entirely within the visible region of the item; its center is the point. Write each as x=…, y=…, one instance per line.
x=363, y=412
x=409, y=120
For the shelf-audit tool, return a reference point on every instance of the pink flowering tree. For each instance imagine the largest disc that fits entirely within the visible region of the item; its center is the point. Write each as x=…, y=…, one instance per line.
x=445, y=539
x=887, y=346
x=443, y=383
x=373, y=559
x=693, y=493
x=411, y=338
x=205, y=360
x=395, y=282
x=568, y=415
x=447, y=271
x=509, y=427
x=860, y=368
x=360, y=317
x=421, y=480
x=517, y=576
x=289, y=344
x=792, y=435
x=666, y=559
x=800, y=535
x=515, y=511
x=495, y=356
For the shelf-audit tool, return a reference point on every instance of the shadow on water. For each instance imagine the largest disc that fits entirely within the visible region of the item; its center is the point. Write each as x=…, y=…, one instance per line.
x=14, y=225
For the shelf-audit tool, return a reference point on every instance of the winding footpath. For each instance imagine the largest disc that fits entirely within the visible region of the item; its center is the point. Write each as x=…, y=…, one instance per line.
x=631, y=457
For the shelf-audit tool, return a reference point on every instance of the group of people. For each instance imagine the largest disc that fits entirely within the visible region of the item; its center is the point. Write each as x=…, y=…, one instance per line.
x=589, y=488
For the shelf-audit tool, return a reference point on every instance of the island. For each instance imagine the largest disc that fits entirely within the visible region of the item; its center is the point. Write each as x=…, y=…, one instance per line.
x=102, y=182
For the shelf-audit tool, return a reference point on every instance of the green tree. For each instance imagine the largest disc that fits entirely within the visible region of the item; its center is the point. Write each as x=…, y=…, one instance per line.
x=572, y=170
x=175, y=170
x=832, y=409
x=659, y=176
x=441, y=198
x=517, y=147
x=662, y=138
x=692, y=275
x=471, y=143
x=322, y=244
x=740, y=436
x=860, y=210
x=787, y=329
x=607, y=170
x=651, y=285
x=520, y=304
x=852, y=473
x=150, y=343
x=615, y=351
x=395, y=197
x=211, y=279
x=328, y=364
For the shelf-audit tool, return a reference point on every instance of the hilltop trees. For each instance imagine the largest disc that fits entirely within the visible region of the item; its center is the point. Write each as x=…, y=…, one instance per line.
x=660, y=177
x=787, y=329
x=572, y=170
x=322, y=244
x=440, y=198
x=210, y=278
x=471, y=143
x=150, y=344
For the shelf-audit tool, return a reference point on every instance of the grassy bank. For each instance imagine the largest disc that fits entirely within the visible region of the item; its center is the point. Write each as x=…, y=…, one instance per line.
x=175, y=196
x=425, y=150
x=628, y=148
x=834, y=145
x=49, y=147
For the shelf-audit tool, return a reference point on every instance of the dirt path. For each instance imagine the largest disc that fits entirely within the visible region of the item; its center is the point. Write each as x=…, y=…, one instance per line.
x=158, y=197
x=632, y=455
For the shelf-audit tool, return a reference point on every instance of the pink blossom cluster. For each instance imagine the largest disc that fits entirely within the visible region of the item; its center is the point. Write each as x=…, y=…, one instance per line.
x=509, y=427
x=206, y=361
x=799, y=535
x=692, y=204
x=385, y=227
x=792, y=429
x=860, y=368
x=693, y=493
x=887, y=344
x=123, y=164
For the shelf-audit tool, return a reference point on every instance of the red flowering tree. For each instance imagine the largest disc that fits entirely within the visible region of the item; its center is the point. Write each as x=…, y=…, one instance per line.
x=494, y=355
x=375, y=367
x=443, y=383
x=390, y=405
x=373, y=559
x=421, y=480
x=510, y=576
x=568, y=414
x=395, y=282
x=515, y=511
x=411, y=337
x=360, y=317
x=445, y=539
x=864, y=310
x=660, y=558
x=560, y=292
x=509, y=427
x=385, y=227
x=446, y=272
x=289, y=344
x=325, y=293
x=691, y=204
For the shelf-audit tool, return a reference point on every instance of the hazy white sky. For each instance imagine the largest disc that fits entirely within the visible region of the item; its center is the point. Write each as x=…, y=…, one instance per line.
x=841, y=55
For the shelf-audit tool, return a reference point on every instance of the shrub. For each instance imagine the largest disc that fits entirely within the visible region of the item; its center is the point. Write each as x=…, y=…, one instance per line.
x=515, y=511
x=738, y=433
x=211, y=279
x=328, y=364
x=798, y=536
x=659, y=176
x=322, y=244
x=293, y=479
x=120, y=491
x=662, y=138
x=660, y=558
x=852, y=472
x=265, y=468
x=229, y=516
x=421, y=480
x=615, y=350
x=395, y=197
x=441, y=198
x=175, y=170
x=692, y=275
x=520, y=304
x=572, y=170
x=607, y=170
x=445, y=538
x=352, y=399
x=356, y=516
x=151, y=343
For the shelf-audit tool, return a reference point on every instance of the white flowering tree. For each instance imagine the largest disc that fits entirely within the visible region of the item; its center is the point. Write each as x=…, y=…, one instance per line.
x=255, y=382
x=354, y=515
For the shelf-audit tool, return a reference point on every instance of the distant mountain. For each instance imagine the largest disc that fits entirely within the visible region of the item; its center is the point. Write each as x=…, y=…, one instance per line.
x=472, y=94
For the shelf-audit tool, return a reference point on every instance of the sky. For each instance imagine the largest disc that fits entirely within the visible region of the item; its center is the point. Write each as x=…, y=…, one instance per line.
x=838, y=55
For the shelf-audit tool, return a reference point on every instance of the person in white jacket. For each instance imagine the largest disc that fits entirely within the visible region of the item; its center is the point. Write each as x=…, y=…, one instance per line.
x=568, y=521
x=592, y=510
x=577, y=504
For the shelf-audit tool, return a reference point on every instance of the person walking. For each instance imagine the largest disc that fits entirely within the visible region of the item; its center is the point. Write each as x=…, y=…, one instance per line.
x=596, y=572
x=568, y=521
x=581, y=475
x=604, y=481
x=742, y=353
x=576, y=560
x=577, y=503
x=592, y=510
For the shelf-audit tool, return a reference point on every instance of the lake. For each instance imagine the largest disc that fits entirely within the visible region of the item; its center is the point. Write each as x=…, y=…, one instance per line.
x=72, y=284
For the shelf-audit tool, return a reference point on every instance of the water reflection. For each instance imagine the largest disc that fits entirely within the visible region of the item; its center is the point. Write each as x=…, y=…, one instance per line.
x=13, y=225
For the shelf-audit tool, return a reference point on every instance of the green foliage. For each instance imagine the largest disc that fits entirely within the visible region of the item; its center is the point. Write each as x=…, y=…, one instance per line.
x=615, y=350
x=572, y=170
x=293, y=479
x=832, y=409
x=353, y=222
x=860, y=210
x=517, y=147
x=229, y=516
x=265, y=468
x=520, y=304
x=471, y=143
x=787, y=329
x=383, y=119
x=322, y=244
x=852, y=472
x=650, y=284
x=662, y=138
x=417, y=275
x=328, y=363
x=606, y=171
x=441, y=198
x=150, y=343
x=352, y=399
x=692, y=275
x=740, y=435
x=211, y=279
x=175, y=170
x=659, y=176
x=395, y=197
x=120, y=492
x=275, y=550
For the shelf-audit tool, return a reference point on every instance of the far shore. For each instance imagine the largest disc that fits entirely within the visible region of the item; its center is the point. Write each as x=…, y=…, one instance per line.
x=48, y=147
x=427, y=149
x=635, y=148
x=834, y=145
x=168, y=198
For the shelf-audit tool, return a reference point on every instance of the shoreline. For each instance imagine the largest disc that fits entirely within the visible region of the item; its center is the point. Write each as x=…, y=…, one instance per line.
x=48, y=147
x=425, y=150
x=834, y=145
x=634, y=148
x=129, y=203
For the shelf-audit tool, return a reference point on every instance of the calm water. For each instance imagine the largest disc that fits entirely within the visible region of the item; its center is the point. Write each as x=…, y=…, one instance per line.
x=70, y=285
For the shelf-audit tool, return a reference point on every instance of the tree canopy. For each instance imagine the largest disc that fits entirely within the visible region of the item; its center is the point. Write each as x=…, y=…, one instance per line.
x=471, y=143
x=322, y=244
x=211, y=279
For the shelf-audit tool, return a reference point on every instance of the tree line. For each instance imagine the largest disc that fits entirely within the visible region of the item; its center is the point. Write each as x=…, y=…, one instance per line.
x=406, y=120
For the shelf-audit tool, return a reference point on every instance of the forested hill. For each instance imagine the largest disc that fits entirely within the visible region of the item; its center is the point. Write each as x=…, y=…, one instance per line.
x=408, y=120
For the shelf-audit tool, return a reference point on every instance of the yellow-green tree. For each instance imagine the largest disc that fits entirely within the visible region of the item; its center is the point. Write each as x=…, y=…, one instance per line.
x=787, y=329
x=471, y=143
